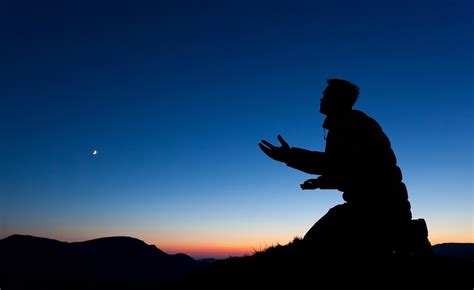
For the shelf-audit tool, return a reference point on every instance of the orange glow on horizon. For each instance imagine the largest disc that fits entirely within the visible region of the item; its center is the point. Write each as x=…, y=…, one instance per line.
x=219, y=247
x=209, y=251
x=219, y=250
x=451, y=238
x=214, y=246
x=226, y=250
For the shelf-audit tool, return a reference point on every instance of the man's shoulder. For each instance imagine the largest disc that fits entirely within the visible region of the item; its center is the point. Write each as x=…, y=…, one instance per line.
x=353, y=121
x=364, y=121
x=357, y=114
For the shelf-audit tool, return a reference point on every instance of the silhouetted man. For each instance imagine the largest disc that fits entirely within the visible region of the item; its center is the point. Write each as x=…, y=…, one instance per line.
x=358, y=160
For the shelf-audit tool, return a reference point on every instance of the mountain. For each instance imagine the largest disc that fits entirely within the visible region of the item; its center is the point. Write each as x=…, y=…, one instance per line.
x=464, y=251
x=28, y=262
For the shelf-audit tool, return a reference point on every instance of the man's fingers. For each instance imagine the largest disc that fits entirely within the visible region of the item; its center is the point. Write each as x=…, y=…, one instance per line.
x=268, y=144
x=282, y=141
x=266, y=150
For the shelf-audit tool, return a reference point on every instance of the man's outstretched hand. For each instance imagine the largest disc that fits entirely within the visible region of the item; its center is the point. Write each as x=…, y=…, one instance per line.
x=277, y=153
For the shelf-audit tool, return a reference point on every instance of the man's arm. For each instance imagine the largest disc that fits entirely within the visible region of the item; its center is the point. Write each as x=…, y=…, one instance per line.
x=312, y=162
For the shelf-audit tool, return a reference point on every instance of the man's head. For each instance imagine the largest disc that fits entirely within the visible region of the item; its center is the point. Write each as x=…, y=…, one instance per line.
x=339, y=96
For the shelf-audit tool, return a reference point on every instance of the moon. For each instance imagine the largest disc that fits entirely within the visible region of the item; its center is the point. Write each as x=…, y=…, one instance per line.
x=94, y=152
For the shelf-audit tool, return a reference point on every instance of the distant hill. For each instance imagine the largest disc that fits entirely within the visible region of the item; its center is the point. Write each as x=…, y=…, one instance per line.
x=28, y=262
x=464, y=251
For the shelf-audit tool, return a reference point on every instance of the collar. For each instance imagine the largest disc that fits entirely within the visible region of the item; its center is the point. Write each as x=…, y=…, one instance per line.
x=344, y=121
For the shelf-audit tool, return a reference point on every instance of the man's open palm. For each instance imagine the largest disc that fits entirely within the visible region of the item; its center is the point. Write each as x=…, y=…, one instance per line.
x=277, y=153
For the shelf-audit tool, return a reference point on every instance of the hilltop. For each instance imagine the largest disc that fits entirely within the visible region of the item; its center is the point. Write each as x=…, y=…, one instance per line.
x=29, y=262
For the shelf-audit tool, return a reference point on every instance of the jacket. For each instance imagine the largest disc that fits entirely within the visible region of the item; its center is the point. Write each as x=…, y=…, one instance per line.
x=359, y=161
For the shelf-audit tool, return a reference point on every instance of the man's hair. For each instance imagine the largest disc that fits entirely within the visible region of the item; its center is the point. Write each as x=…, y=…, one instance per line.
x=347, y=91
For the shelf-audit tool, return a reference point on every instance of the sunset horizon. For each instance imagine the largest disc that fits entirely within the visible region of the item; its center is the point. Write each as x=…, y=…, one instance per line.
x=223, y=248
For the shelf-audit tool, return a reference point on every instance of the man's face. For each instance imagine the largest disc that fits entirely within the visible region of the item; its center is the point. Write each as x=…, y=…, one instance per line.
x=327, y=101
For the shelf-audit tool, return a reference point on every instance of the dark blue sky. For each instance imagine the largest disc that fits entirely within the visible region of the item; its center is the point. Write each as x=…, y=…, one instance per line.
x=176, y=95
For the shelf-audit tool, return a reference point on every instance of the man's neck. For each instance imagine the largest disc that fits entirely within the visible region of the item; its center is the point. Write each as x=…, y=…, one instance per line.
x=338, y=114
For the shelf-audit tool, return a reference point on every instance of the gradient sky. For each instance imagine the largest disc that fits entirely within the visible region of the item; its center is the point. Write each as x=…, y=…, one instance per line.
x=176, y=95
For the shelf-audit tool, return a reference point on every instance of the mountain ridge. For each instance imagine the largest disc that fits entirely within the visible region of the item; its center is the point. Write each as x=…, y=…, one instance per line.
x=30, y=262
x=435, y=247
x=124, y=262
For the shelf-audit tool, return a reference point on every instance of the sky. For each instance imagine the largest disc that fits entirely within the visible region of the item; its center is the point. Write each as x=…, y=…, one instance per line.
x=176, y=95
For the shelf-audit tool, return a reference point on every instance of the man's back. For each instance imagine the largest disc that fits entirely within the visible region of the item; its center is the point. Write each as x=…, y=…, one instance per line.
x=361, y=160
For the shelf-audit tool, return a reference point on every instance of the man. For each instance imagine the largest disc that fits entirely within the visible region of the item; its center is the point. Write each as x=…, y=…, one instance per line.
x=359, y=161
